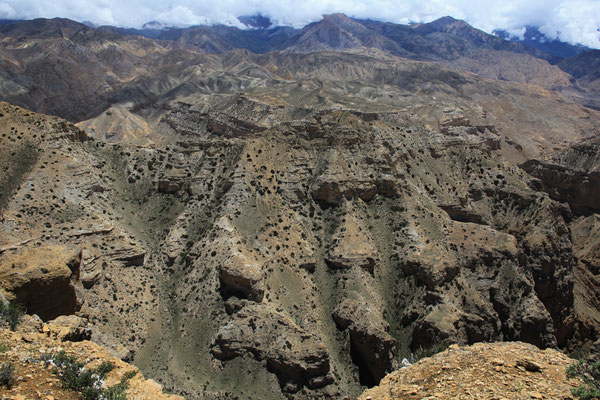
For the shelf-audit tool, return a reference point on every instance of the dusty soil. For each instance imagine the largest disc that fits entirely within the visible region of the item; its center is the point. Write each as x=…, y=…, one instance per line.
x=491, y=371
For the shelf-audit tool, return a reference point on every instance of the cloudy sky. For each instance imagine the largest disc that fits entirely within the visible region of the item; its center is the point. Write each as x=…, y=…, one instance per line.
x=575, y=21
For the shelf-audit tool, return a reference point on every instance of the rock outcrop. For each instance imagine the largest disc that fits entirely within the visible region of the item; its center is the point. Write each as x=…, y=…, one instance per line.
x=44, y=281
x=352, y=246
x=68, y=328
x=298, y=357
x=372, y=347
x=511, y=370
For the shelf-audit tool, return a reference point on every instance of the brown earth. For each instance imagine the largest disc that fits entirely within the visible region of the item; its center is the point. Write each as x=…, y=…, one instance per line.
x=509, y=371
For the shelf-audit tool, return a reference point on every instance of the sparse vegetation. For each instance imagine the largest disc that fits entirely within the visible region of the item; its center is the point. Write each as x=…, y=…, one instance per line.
x=11, y=314
x=589, y=373
x=4, y=347
x=423, y=352
x=89, y=382
x=7, y=372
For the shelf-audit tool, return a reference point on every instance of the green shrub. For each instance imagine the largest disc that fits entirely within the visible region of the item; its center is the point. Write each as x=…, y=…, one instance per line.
x=7, y=375
x=11, y=314
x=397, y=208
x=589, y=373
x=89, y=382
x=423, y=352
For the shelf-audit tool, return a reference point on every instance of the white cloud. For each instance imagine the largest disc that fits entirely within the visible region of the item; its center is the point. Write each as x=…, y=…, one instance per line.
x=7, y=11
x=570, y=20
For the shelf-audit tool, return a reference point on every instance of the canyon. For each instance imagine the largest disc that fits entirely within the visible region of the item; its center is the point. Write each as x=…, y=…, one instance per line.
x=294, y=220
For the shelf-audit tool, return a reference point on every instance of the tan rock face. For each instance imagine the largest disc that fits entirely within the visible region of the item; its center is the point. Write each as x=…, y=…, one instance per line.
x=43, y=280
x=352, y=246
x=512, y=370
x=241, y=273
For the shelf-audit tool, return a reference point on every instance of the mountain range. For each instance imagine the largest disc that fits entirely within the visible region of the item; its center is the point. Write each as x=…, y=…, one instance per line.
x=121, y=54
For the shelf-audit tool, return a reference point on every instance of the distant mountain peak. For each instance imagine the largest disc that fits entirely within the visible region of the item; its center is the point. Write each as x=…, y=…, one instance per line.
x=447, y=23
x=155, y=25
x=337, y=17
x=256, y=21
x=533, y=37
x=44, y=26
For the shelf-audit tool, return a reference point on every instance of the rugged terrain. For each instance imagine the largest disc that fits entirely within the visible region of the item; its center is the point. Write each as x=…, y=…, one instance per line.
x=293, y=224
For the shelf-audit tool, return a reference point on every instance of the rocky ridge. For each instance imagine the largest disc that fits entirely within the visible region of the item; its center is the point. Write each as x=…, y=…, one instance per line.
x=484, y=370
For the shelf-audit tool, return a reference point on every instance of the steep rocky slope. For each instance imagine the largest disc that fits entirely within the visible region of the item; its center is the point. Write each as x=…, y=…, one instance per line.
x=572, y=176
x=57, y=203
x=314, y=252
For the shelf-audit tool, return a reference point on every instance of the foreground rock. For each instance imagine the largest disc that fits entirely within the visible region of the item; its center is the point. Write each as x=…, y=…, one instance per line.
x=510, y=370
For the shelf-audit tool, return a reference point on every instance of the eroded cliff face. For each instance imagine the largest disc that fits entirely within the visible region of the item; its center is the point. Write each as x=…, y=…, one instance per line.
x=301, y=259
x=572, y=176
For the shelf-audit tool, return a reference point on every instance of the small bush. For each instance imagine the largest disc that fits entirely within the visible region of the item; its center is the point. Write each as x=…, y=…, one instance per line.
x=11, y=314
x=589, y=373
x=4, y=347
x=397, y=208
x=7, y=375
x=423, y=352
x=89, y=382
x=104, y=368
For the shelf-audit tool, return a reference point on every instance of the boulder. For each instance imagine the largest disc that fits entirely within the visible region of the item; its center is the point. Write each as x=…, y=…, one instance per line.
x=69, y=328
x=240, y=270
x=43, y=280
x=241, y=276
